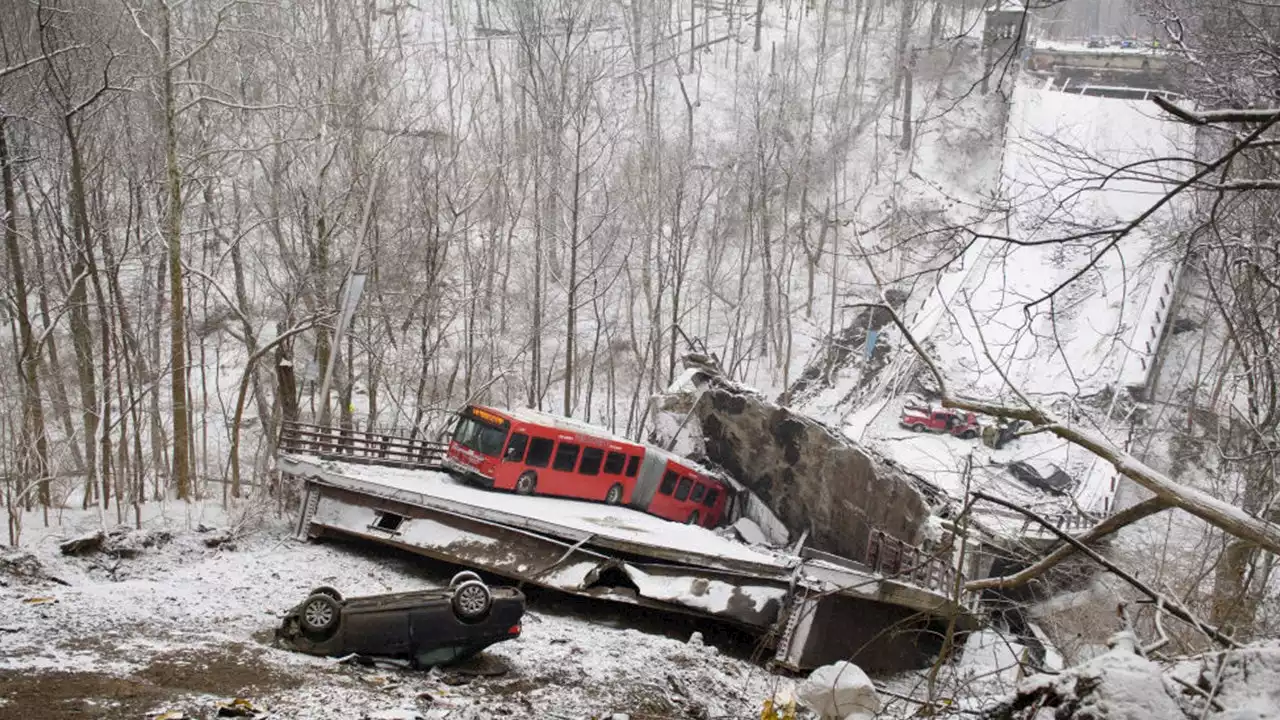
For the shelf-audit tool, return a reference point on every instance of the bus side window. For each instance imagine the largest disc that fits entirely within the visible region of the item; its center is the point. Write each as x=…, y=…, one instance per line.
x=698, y=491
x=614, y=462
x=668, y=483
x=710, y=499
x=682, y=490
x=591, y=459
x=539, y=452
x=566, y=457
x=633, y=464
x=515, y=448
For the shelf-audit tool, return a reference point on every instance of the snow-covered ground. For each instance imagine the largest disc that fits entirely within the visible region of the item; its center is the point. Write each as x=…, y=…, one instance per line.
x=183, y=625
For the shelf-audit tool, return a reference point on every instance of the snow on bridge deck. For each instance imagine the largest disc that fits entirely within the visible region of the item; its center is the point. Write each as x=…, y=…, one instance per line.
x=1101, y=329
x=620, y=528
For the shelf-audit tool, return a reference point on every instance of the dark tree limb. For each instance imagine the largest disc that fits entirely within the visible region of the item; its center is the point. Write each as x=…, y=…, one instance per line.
x=1128, y=516
x=1137, y=584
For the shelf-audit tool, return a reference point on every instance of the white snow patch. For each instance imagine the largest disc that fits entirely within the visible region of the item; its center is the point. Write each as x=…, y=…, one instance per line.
x=840, y=691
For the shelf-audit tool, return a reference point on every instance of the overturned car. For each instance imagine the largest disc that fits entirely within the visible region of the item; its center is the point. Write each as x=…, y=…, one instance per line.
x=425, y=627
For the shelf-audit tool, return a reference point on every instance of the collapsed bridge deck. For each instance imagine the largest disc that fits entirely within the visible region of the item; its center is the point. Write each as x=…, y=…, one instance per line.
x=615, y=553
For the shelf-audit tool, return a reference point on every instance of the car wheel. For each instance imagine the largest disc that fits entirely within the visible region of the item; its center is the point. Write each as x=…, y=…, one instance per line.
x=693, y=518
x=326, y=590
x=969, y=434
x=527, y=483
x=614, y=496
x=917, y=428
x=462, y=577
x=320, y=612
x=471, y=600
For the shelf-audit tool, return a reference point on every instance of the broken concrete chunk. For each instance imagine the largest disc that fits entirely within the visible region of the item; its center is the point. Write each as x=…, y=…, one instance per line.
x=750, y=532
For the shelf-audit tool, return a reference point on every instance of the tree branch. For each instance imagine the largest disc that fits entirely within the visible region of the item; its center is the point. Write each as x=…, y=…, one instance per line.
x=47, y=56
x=1137, y=584
x=1121, y=519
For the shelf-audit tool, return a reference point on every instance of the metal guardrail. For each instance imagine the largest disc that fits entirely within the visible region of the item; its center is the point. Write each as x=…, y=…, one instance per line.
x=368, y=448
x=906, y=562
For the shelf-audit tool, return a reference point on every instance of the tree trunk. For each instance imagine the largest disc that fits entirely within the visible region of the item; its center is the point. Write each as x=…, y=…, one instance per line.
x=34, y=448
x=571, y=326
x=78, y=298
x=181, y=473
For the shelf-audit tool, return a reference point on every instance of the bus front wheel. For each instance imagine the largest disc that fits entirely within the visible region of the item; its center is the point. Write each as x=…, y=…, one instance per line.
x=693, y=518
x=526, y=483
x=614, y=496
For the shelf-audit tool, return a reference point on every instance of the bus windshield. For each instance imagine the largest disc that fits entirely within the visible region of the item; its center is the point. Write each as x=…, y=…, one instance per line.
x=482, y=438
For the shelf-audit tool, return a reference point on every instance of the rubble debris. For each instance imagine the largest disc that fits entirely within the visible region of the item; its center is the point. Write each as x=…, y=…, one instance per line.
x=220, y=539
x=23, y=568
x=397, y=714
x=122, y=542
x=840, y=691
x=83, y=544
x=239, y=707
x=1117, y=685
x=482, y=665
x=781, y=706
x=749, y=531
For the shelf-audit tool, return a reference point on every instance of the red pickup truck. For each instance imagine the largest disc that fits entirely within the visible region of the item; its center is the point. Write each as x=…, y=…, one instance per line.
x=938, y=420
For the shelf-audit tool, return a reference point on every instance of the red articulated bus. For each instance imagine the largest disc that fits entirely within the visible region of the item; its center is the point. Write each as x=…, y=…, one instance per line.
x=532, y=452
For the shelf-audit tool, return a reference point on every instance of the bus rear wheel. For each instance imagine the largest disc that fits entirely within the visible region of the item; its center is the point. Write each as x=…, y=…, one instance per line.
x=614, y=496
x=526, y=483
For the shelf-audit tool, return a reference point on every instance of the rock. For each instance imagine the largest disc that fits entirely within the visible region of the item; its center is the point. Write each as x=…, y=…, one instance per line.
x=121, y=541
x=219, y=539
x=696, y=639
x=808, y=475
x=840, y=691
x=21, y=568
x=1117, y=685
x=83, y=544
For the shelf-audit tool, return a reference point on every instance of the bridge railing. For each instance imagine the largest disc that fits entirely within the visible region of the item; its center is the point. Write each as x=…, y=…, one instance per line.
x=911, y=564
x=358, y=446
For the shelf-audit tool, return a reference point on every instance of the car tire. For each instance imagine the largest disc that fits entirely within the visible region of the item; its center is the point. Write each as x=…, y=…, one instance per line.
x=693, y=518
x=969, y=434
x=320, y=613
x=614, y=496
x=326, y=590
x=462, y=577
x=917, y=428
x=471, y=601
x=527, y=483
